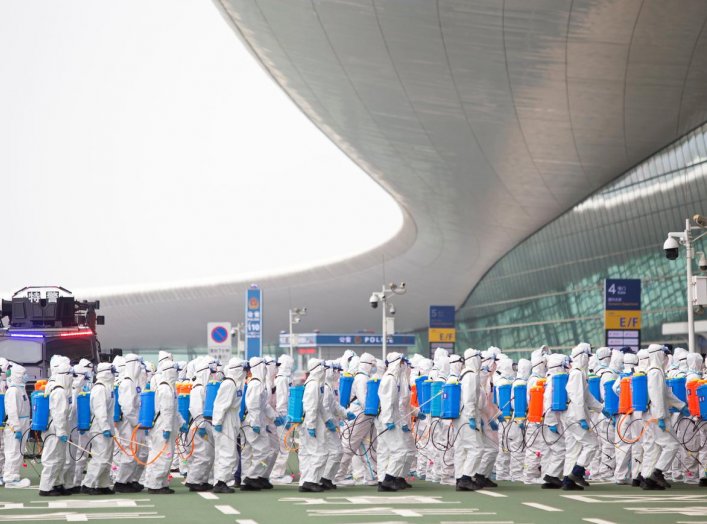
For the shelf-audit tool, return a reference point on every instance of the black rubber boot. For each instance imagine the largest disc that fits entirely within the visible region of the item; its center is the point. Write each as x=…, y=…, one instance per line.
x=405, y=483
x=310, y=487
x=570, y=485
x=161, y=491
x=264, y=483
x=484, y=482
x=222, y=487
x=327, y=484
x=577, y=476
x=650, y=485
x=388, y=484
x=250, y=485
x=466, y=483
x=658, y=478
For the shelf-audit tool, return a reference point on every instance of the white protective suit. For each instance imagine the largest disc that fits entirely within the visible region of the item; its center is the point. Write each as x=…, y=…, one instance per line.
x=257, y=451
x=391, y=454
x=76, y=459
x=17, y=410
x=536, y=448
x=684, y=431
x=439, y=428
x=692, y=453
x=283, y=381
x=202, y=460
x=4, y=365
x=599, y=365
x=272, y=429
x=337, y=414
x=227, y=423
x=514, y=427
x=102, y=429
x=129, y=400
x=505, y=376
x=161, y=438
x=606, y=427
x=468, y=446
x=355, y=431
x=57, y=434
x=312, y=449
x=658, y=457
x=406, y=418
x=424, y=368
x=625, y=450
x=553, y=442
x=491, y=417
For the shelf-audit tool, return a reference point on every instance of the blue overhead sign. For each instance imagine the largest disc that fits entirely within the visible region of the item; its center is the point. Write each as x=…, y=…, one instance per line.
x=622, y=293
x=348, y=340
x=442, y=316
x=253, y=322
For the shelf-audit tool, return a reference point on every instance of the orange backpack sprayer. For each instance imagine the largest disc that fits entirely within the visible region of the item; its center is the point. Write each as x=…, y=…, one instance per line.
x=535, y=407
x=625, y=396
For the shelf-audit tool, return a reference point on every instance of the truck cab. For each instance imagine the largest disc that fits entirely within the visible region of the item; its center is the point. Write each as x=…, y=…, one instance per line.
x=45, y=321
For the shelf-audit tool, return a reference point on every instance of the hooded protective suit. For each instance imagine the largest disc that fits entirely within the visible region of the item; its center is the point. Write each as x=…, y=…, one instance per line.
x=406, y=418
x=514, y=427
x=57, y=434
x=76, y=459
x=272, y=428
x=227, y=423
x=17, y=410
x=102, y=427
x=283, y=381
x=129, y=399
x=553, y=446
x=424, y=368
x=505, y=376
x=441, y=470
x=257, y=452
x=202, y=459
x=391, y=455
x=313, y=451
x=603, y=462
x=162, y=436
x=625, y=451
x=335, y=413
x=490, y=416
x=468, y=446
x=536, y=448
x=661, y=451
x=355, y=431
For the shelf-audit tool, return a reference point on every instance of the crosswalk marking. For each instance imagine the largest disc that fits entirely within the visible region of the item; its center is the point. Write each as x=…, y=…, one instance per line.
x=490, y=493
x=228, y=510
x=541, y=506
x=246, y=521
x=598, y=521
x=207, y=495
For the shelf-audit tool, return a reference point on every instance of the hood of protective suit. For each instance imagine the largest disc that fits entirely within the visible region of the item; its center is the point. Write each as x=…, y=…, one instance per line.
x=316, y=369
x=133, y=366
x=271, y=367
x=353, y=365
x=488, y=361
x=538, y=363
x=415, y=360
x=56, y=361
x=505, y=369
x=425, y=366
x=286, y=365
x=456, y=363
x=439, y=354
x=472, y=360
x=182, y=375
x=544, y=349
x=84, y=373
x=617, y=361
x=593, y=364
x=332, y=372
x=657, y=358
x=257, y=368
x=235, y=370
x=556, y=364
x=366, y=363
x=643, y=359
x=680, y=359
x=167, y=370
x=603, y=355
x=18, y=375
x=203, y=367
x=4, y=364
x=63, y=376
x=630, y=362
x=393, y=363
x=580, y=356
x=695, y=363
x=442, y=368
x=345, y=360
x=163, y=355
x=105, y=375
x=119, y=363
x=524, y=369
x=379, y=369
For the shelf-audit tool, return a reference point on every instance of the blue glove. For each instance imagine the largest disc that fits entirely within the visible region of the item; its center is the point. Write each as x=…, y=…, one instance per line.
x=661, y=424
x=405, y=429
x=279, y=421
x=522, y=426
x=64, y=439
x=166, y=434
x=350, y=416
x=501, y=419
x=472, y=423
x=256, y=429
x=605, y=413
x=389, y=425
x=421, y=416
x=553, y=429
x=288, y=425
x=218, y=428
x=312, y=433
x=107, y=434
x=583, y=424
x=183, y=428
x=202, y=432
x=494, y=425
x=685, y=412
x=330, y=425
x=18, y=435
x=82, y=432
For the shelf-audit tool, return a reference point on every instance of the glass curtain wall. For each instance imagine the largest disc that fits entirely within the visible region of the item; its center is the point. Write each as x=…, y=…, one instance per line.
x=549, y=289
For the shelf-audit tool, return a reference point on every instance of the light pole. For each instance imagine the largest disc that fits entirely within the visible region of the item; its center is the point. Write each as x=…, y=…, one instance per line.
x=381, y=297
x=671, y=248
x=296, y=314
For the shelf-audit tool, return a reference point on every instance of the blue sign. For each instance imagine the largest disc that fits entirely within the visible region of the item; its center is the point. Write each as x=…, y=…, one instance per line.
x=622, y=294
x=253, y=322
x=442, y=316
x=219, y=334
x=350, y=340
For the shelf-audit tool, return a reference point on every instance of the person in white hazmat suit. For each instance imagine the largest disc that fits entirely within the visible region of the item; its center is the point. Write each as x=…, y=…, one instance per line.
x=469, y=441
x=664, y=445
x=227, y=424
x=439, y=428
x=76, y=458
x=4, y=364
x=624, y=448
x=275, y=422
x=599, y=366
x=391, y=455
x=257, y=451
x=516, y=426
x=312, y=448
x=683, y=432
x=424, y=368
x=606, y=428
x=505, y=376
x=553, y=441
x=202, y=460
x=127, y=476
x=161, y=437
x=97, y=480
x=17, y=410
x=536, y=448
x=359, y=425
x=283, y=381
x=581, y=441
x=691, y=453
x=337, y=414
x=491, y=417
x=57, y=435
x=406, y=419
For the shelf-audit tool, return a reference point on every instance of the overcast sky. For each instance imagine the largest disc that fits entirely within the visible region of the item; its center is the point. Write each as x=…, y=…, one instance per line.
x=142, y=145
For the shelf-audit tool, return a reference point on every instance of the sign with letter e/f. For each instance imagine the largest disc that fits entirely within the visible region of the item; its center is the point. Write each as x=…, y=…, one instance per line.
x=622, y=313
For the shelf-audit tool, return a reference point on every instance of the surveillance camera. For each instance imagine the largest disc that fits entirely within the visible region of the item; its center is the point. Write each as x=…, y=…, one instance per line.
x=392, y=309
x=702, y=262
x=671, y=247
x=700, y=220
x=373, y=301
x=402, y=285
x=304, y=310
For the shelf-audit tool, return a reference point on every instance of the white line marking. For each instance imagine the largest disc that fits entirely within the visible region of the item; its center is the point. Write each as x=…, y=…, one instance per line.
x=228, y=510
x=490, y=493
x=78, y=517
x=541, y=506
x=207, y=495
x=598, y=521
x=246, y=521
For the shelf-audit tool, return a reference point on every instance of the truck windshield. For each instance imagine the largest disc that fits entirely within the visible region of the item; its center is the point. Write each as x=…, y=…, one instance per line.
x=21, y=350
x=73, y=348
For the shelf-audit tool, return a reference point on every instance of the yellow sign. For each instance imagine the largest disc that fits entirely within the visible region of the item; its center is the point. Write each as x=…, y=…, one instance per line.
x=622, y=319
x=442, y=335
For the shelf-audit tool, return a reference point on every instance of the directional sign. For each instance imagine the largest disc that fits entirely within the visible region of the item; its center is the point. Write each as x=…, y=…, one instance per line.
x=437, y=335
x=253, y=322
x=441, y=316
x=622, y=313
x=442, y=332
